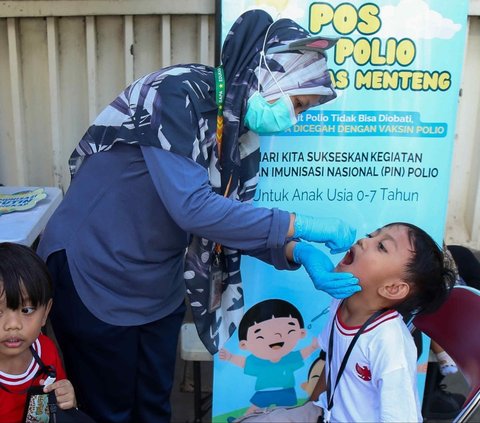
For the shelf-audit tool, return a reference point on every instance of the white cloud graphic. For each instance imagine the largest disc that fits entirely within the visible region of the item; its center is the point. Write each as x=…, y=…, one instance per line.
x=414, y=19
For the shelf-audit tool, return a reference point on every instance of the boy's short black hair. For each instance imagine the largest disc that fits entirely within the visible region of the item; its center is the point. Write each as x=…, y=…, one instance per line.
x=427, y=274
x=23, y=275
x=266, y=310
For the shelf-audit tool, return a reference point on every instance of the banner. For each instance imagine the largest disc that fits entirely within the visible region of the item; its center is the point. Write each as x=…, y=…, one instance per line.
x=379, y=153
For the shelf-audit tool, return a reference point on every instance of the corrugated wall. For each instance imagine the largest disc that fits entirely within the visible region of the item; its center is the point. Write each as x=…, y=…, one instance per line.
x=463, y=218
x=62, y=61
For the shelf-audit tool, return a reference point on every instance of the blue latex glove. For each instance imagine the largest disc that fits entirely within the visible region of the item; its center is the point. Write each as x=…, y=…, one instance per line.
x=337, y=235
x=320, y=269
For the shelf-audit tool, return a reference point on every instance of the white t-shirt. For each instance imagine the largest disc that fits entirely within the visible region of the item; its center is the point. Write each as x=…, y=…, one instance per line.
x=379, y=383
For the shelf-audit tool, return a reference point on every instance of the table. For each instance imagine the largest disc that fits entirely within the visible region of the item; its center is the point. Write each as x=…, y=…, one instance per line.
x=24, y=227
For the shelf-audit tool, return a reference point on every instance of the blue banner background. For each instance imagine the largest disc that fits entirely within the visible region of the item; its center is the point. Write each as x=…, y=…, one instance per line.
x=371, y=157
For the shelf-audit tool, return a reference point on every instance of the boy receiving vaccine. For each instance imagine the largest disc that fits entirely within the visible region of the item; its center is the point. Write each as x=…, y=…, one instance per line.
x=370, y=369
x=401, y=270
x=28, y=358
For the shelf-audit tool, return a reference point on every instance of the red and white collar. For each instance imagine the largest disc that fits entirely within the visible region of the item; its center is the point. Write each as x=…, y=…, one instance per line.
x=352, y=330
x=29, y=374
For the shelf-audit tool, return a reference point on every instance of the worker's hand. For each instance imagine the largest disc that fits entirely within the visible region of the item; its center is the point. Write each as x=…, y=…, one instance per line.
x=321, y=270
x=337, y=235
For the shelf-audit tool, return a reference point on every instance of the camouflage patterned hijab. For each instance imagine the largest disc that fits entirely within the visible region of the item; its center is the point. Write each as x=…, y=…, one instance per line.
x=241, y=60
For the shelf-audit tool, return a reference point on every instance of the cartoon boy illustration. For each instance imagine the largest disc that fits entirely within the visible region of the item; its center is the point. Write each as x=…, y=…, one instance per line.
x=270, y=330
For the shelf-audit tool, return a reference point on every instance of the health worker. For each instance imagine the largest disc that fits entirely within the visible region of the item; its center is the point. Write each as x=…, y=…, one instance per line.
x=160, y=205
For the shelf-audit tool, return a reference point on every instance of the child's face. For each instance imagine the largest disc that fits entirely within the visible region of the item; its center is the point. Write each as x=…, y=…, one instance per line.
x=274, y=338
x=380, y=258
x=19, y=328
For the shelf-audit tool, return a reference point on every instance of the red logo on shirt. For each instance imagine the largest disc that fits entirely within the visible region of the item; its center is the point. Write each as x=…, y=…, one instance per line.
x=363, y=372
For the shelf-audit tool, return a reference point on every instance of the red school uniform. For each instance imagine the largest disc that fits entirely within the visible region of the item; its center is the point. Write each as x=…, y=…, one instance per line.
x=12, y=403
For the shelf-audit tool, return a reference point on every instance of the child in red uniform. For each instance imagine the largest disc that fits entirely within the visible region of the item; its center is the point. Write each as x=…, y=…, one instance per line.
x=27, y=357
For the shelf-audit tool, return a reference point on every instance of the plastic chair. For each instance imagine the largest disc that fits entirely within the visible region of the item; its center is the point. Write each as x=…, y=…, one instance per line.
x=192, y=349
x=455, y=327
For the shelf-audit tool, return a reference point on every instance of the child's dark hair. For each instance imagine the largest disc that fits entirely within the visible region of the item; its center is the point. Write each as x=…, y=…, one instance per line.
x=266, y=310
x=429, y=278
x=23, y=275
x=322, y=356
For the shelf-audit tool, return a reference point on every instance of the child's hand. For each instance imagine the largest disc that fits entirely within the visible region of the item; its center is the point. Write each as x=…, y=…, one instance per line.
x=64, y=393
x=314, y=343
x=224, y=354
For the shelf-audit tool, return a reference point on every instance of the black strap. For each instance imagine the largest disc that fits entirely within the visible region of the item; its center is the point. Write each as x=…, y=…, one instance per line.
x=49, y=371
x=46, y=370
x=330, y=393
x=52, y=406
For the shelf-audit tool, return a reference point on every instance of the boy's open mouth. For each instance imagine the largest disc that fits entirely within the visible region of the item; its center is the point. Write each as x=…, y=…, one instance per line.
x=349, y=257
x=276, y=345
